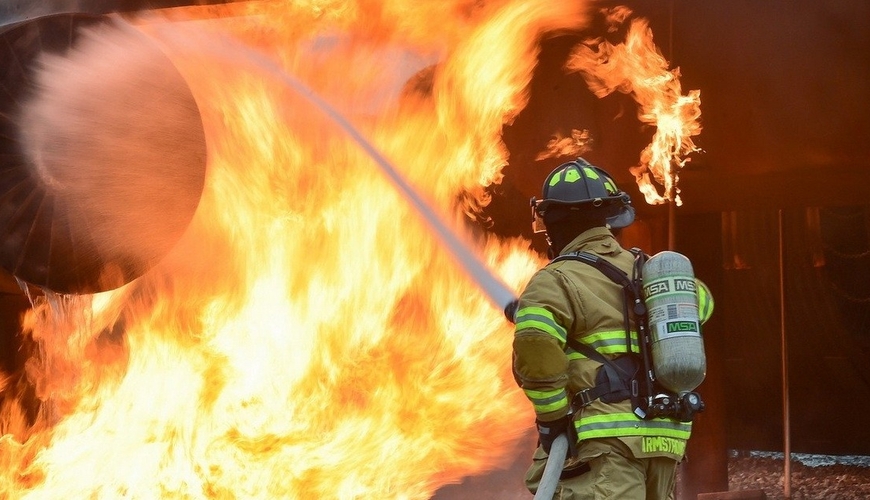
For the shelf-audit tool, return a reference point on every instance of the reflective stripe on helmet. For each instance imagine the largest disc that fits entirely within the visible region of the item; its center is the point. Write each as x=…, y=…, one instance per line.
x=555, y=178
x=610, y=186
x=590, y=172
x=572, y=175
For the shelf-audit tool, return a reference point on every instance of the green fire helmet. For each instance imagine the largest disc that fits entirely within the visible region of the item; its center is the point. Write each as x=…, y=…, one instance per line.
x=580, y=186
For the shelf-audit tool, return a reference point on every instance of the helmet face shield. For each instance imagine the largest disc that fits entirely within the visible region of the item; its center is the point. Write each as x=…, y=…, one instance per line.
x=623, y=219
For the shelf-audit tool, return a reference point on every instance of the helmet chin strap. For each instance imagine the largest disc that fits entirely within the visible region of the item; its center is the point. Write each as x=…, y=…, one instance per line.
x=556, y=242
x=551, y=252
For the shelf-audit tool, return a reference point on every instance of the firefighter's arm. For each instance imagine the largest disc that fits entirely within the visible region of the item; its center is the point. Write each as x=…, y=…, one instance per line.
x=541, y=367
x=540, y=363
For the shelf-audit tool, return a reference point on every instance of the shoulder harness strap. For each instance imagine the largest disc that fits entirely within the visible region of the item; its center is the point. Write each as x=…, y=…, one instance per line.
x=631, y=287
x=631, y=291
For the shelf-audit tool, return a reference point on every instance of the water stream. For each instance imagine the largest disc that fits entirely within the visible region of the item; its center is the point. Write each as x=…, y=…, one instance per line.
x=225, y=48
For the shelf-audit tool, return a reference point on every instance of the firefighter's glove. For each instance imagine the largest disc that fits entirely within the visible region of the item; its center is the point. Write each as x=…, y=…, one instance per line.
x=547, y=432
x=510, y=310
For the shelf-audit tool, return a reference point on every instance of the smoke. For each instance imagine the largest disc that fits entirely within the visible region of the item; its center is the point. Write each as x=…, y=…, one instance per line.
x=113, y=133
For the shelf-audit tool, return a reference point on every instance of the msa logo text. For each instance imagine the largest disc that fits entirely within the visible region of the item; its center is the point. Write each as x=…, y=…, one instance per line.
x=682, y=326
x=684, y=285
x=674, y=285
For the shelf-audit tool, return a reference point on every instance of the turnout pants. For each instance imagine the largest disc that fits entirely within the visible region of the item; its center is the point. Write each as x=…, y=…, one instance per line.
x=613, y=472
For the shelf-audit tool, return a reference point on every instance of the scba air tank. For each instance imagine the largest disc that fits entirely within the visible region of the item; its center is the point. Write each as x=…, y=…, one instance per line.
x=671, y=298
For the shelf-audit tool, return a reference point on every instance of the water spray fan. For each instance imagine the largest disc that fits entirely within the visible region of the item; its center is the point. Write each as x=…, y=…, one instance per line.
x=78, y=219
x=102, y=164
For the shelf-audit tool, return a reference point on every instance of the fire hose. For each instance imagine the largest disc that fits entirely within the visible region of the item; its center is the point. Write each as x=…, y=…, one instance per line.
x=553, y=469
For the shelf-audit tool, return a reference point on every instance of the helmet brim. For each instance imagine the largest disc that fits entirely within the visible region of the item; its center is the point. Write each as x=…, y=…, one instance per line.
x=591, y=204
x=623, y=219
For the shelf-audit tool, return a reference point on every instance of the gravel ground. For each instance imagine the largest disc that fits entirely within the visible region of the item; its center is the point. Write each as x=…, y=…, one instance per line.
x=813, y=477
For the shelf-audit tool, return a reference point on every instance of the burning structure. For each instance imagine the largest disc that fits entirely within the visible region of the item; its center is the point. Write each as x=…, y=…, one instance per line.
x=257, y=312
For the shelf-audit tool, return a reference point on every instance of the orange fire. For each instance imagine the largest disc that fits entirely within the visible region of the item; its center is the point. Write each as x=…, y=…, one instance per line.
x=637, y=66
x=308, y=337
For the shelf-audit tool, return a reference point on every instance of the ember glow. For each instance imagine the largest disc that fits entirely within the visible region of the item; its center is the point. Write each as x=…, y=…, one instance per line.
x=636, y=66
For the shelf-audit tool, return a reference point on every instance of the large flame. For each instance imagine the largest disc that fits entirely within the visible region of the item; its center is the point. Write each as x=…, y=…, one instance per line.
x=308, y=337
x=636, y=66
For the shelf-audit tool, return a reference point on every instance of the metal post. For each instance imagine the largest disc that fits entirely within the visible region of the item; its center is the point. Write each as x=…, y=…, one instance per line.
x=672, y=208
x=786, y=427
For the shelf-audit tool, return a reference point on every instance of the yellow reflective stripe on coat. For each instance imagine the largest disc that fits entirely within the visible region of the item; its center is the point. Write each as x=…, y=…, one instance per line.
x=627, y=424
x=611, y=342
x=547, y=401
x=540, y=319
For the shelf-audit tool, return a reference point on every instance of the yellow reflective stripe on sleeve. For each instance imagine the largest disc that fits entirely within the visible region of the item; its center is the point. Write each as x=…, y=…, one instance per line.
x=547, y=401
x=612, y=342
x=572, y=355
x=627, y=424
x=540, y=319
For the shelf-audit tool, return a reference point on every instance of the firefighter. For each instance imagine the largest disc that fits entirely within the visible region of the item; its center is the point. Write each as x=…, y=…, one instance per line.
x=613, y=452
